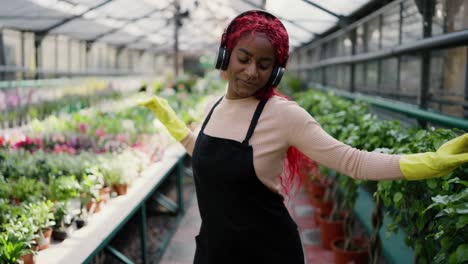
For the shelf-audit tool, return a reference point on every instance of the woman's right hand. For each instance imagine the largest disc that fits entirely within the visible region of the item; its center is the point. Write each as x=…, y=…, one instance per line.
x=162, y=111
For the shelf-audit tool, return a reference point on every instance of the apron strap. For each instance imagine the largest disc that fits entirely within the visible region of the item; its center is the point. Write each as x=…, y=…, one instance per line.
x=254, y=121
x=209, y=114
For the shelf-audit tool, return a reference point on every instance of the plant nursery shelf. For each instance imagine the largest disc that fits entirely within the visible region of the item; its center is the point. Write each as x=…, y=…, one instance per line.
x=83, y=244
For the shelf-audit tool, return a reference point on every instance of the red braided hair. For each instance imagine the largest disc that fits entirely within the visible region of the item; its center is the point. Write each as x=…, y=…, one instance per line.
x=255, y=22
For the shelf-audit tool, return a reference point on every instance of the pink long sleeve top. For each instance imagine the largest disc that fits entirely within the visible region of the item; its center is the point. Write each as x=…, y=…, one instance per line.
x=282, y=124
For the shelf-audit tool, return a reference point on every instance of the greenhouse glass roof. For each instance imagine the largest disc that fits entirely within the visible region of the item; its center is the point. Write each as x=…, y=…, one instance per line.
x=149, y=24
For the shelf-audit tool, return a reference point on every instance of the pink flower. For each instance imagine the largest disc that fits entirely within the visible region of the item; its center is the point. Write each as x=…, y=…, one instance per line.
x=121, y=138
x=57, y=149
x=100, y=132
x=71, y=151
x=83, y=128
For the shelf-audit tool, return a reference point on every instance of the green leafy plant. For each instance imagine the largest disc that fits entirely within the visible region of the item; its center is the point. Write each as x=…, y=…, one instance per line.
x=452, y=219
x=64, y=188
x=12, y=248
x=26, y=189
x=407, y=200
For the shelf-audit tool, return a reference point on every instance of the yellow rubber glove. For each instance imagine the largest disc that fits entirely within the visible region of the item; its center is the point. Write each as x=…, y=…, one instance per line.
x=167, y=116
x=435, y=164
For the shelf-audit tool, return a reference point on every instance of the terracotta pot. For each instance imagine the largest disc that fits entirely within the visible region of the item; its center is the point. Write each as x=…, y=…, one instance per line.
x=28, y=258
x=104, y=193
x=94, y=205
x=47, y=232
x=315, y=188
x=358, y=256
x=121, y=189
x=321, y=208
x=330, y=230
x=43, y=241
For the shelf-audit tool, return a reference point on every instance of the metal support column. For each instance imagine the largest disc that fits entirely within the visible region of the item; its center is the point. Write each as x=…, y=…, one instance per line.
x=177, y=25
x=400, y=39
x=143, y=233
x=2, y=56
x=427, y=12
x=180, y=187
x=380, y=62
x=465, y=108
x=352, y=78
x=37, y=53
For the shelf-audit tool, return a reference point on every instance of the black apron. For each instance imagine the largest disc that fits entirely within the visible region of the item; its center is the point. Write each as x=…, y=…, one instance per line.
x=242, y=220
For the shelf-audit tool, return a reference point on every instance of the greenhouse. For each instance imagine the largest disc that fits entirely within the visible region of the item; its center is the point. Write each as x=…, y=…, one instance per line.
x=233, y=131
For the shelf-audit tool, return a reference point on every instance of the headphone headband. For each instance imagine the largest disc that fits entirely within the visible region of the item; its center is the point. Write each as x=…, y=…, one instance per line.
x=265, y=13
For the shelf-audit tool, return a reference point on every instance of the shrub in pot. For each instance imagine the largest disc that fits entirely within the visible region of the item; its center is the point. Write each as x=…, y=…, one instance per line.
x=62, y=190
x=18, y=240
x=26, y=189
x=14, y=248
x=44, y=219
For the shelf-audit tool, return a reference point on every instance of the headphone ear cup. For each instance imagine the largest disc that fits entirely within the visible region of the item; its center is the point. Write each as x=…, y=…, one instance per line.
x=276, y=76
x=220, y=57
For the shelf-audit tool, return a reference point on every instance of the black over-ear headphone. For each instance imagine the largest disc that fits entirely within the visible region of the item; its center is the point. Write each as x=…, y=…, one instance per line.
x=222, y=60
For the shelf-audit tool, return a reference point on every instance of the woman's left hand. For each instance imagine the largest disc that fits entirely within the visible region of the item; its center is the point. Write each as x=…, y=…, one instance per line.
x=435, y=164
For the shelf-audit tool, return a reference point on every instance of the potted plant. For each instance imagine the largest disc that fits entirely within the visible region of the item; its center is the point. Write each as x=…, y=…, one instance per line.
x=114, y=177
x=348, y=247
x=332, y=220
x=44, y=219
x=20, y=234
x=62, y=190
x=90, y=197
x=14, y=249
x=26, y=189
x=118, y=182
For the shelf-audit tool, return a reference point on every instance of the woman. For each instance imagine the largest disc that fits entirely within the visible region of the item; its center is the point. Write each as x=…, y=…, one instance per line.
x=239, y=153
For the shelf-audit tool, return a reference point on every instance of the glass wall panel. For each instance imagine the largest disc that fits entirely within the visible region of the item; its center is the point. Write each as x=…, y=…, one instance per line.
x=372, y=76
x=62, y=54
x=331, y=48
x=92, y=58
x=373, y=34
x=359, y=77
x=390, y=27
x=47, y=59
x=111, y=55
x=331, y=76
x=343, y=77
x=412, y=22
x=448, y=79
x=12, y=47
x=361, y=39
x=83, y=56
x=450, y=16
x=316, y=54
x=12, y=53
x=410, y=78
x=74, y=56
x=389, y=76
x=29, y=59
x=122, y=59
x=316, y=75
x=345, y=45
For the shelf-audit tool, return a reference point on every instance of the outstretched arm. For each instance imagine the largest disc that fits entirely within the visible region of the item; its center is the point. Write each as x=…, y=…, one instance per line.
x=318, y=145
